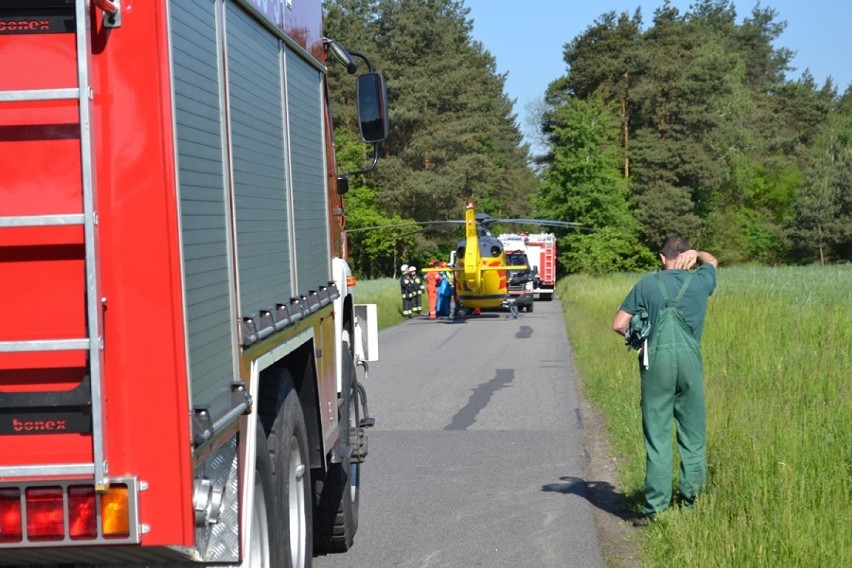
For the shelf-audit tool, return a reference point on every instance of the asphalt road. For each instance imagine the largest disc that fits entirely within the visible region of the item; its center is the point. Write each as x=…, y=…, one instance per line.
x=477, y=457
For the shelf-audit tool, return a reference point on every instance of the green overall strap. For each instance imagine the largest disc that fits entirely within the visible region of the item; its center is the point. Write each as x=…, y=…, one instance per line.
x=680, y=294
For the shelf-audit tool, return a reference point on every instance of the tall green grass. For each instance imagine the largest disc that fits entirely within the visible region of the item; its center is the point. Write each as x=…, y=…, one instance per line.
x=776, y=347
x=385, y=293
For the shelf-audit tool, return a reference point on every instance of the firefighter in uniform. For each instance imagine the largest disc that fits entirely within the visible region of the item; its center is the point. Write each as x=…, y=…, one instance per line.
x=416, y=291
x=672, y=377
x=405, y=292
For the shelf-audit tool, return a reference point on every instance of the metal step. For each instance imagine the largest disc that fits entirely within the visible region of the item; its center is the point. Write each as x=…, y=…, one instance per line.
x=44, y=345
x=43, y=220
x=70, y=94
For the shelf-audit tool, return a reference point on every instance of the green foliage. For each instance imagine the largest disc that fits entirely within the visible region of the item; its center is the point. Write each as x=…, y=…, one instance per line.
x=743, y=236
x=686, y=125
x=448, y=145
x=602, y=57
x=716, y=144
x=666, y=210
x=607, y=250
x=779, y=423
x=584, y=184
x=821, y=226
x=375, y=252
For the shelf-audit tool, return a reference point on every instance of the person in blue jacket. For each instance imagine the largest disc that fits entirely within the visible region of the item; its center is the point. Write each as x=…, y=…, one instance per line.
x=446, y=291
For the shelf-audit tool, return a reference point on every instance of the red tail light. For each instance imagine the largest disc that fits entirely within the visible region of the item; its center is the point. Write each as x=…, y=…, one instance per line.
x=82, y=512
x=11, y=529
x=56, y=515
x=45, y=515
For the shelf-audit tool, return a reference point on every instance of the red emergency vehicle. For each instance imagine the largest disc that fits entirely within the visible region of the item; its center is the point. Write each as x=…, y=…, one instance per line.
x=180, y=352
x=540, y=249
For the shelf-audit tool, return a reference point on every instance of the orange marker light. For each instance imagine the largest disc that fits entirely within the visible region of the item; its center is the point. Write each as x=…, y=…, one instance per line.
x=115, y=512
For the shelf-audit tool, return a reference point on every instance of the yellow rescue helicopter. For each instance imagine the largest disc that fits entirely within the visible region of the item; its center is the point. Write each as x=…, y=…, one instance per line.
x=481, y=269
x=480, y=263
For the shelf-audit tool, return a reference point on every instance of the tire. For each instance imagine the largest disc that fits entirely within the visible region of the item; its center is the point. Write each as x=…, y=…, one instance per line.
x=265, y=549
x=337, y=492
x=530, y=307
x=288, y=448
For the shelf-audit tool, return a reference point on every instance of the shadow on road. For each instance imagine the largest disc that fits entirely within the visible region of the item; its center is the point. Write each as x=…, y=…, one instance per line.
x=601, y=494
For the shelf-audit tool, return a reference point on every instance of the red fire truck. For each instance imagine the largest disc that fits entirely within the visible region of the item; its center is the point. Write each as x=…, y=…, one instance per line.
x=180, y=354
x=540, y=249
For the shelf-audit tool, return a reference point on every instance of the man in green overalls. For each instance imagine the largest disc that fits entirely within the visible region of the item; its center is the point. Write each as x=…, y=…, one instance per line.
x=670, y=369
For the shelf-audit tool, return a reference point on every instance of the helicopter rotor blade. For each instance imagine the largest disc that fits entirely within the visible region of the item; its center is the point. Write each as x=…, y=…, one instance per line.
x=540, y=222
x=409, y=224
x=482, y=219
x=423, y=230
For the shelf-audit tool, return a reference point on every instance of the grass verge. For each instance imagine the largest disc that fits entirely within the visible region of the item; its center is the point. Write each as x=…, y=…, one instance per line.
x=385, y=293
x=776, y=350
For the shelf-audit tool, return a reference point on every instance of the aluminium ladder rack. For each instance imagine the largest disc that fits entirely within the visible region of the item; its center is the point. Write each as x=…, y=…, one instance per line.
x=548, y=252
x=93, y=344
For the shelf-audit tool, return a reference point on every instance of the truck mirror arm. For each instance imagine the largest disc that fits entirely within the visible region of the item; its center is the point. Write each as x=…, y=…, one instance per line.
x=369, y=168
x=370, y=68
x=340, y=54
x=343, y=179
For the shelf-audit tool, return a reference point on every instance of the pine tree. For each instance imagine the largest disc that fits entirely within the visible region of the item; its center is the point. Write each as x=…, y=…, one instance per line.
x=821, y=228
x=716, y=140
x=454, y=135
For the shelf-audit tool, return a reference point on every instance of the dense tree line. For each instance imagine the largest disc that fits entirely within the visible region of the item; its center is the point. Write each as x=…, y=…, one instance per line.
x=454, y=137
x=713, y=142
x=688, y=125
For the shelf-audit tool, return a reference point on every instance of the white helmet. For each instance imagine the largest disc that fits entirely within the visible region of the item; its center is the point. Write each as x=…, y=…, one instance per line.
x=403, y=268
x=412, y=269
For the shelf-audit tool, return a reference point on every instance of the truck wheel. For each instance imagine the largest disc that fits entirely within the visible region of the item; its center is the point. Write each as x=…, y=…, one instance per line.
x=288, y=444
x=337, y=492
x=547, y=297
x=265, y=549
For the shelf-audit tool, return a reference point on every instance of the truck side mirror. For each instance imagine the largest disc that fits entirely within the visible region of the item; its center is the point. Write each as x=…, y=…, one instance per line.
x=371, y=102
x=371, y=99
